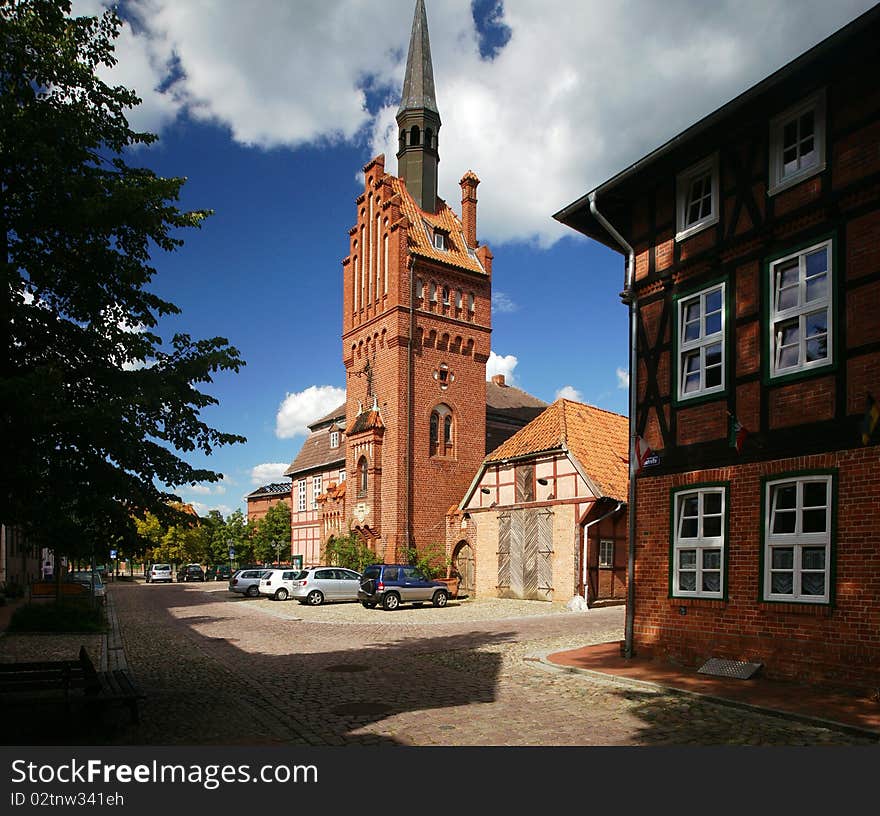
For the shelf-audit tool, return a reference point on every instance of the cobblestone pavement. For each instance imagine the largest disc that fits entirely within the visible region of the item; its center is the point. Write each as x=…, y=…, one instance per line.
x=225, y=670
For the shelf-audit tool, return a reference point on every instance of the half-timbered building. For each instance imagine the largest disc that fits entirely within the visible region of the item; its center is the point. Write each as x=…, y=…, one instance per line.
x=545, y=517
x=753, y=282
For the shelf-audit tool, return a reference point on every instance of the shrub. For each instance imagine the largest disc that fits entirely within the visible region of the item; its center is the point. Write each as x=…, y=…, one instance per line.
x=349, y=551
x=432, y=561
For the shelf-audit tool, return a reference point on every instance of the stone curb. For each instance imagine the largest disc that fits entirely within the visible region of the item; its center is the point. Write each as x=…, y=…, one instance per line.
x=541, y=661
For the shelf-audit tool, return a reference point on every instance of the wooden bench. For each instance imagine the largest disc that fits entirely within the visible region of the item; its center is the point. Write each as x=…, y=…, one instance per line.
x=111, y=686
x=45, y=590
x=71, y=680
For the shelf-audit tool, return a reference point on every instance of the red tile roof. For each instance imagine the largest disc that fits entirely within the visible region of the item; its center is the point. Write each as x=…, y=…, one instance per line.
x=598, y=439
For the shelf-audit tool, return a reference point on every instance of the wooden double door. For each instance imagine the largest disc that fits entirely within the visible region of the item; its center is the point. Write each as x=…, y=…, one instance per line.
x=525, y=554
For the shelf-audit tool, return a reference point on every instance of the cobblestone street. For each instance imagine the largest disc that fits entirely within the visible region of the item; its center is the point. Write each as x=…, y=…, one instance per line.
x=225, y=670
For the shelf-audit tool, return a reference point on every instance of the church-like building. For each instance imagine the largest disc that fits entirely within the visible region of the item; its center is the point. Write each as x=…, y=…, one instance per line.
x=416, y=330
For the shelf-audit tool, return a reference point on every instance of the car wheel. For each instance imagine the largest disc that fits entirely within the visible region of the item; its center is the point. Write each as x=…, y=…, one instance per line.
x=440, y=598
x=253, y=591
x=315, y=598
x=281, y=594
x=391, y=601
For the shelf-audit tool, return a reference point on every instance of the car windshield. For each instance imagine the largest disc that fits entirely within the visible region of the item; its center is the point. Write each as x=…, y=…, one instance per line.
x=79, y=577
x=161, y=568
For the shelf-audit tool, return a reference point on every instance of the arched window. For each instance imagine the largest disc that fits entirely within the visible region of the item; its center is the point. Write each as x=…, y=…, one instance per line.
x=441, y=431
x=415, y=136
x=402, y=139
x=429, y=138
x=362, y=477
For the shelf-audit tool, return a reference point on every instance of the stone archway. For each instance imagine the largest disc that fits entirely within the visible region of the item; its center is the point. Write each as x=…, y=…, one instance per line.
x=464, y=564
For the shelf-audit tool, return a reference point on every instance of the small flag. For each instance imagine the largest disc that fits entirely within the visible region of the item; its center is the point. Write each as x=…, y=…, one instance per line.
x=738, y=433
x=643, y=451
x=870, y=419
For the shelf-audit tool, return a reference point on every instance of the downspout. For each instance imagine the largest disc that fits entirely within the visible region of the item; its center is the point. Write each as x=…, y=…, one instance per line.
x=628, y=297
x=586, y=534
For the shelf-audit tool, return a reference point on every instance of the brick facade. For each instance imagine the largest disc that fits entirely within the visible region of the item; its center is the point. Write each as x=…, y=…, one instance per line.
x=800, y=593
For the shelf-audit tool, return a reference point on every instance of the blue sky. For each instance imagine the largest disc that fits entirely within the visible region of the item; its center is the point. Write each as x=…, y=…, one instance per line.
x=271, y=109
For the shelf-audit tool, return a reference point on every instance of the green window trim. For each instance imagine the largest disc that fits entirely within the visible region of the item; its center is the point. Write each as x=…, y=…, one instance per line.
x=796, y=476
x=836, y=320
x=674, y=493
x=726, y=343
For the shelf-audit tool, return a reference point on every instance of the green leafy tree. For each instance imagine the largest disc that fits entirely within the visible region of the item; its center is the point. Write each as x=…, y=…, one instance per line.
x=239, y=533
x=91, y=400
x=271, y=530
x=350, y=551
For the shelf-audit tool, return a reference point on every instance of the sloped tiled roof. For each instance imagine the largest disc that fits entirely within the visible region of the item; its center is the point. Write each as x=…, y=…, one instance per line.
x=512, y=402
x=316, y=453
x=364, y=421
x=456, y=253
x=274, y=489
x=599, y=440
x=336, y=413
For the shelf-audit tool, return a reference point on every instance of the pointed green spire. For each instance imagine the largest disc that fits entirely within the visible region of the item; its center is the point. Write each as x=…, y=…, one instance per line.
x=418, y=118
x=418, y=83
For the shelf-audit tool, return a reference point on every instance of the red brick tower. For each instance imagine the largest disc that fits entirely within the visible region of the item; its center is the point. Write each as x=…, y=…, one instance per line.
x=415, y=336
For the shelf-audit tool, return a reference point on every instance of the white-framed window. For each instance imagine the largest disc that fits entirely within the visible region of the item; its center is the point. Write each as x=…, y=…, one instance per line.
x=439, y=240
x=701, y=323
x=698, y=545
x=317, y=489
x=797, y=539
x=445, y=295
x=342, y=476
x=301, y=496
x=801, y=317
x=697, y=198
x=606, y=553
x=797, y=143
x=334, y=439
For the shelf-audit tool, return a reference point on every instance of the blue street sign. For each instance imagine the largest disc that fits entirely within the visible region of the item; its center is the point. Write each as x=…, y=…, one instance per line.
x=232, y=552
x=113, y=553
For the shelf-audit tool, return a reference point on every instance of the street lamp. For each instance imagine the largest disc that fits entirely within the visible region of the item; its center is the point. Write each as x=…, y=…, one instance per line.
x=231, y=550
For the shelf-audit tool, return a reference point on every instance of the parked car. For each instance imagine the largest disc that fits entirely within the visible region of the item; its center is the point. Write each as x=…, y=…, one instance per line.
x=88, y=578
x=314, y=585
x=393, y=584
x=159, y=572
x=247, y=582
x=191, y=572
x=221, y=572
x=278, y=583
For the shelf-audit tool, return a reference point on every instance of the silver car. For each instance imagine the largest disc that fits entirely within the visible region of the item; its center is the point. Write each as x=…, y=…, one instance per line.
x=247, y=582
x=160, y=572
x=315, y=585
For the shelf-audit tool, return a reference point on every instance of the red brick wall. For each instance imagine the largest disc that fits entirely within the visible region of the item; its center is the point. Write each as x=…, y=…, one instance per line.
x=258, y=507
x=840, y=644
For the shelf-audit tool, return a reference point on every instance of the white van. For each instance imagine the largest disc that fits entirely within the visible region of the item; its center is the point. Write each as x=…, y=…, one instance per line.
x=278, y=583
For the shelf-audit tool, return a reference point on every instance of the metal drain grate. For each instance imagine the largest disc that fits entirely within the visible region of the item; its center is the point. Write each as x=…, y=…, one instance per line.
x=347, y=667
x=737, y=669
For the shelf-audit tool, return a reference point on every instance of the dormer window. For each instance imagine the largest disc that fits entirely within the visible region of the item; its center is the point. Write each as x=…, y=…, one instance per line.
x=439, y=241
x=334, y=439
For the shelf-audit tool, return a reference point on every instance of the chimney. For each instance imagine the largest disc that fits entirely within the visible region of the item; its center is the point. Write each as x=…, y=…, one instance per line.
x=469, y=182
x=498, y=379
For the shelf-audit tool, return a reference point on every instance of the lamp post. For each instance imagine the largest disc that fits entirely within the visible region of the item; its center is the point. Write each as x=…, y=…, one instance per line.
x=231, y=549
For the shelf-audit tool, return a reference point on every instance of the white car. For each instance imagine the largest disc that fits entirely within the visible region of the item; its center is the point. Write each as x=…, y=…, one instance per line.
x=247, y=582
x=159, y=572
x=278, y=583
x=315, y=585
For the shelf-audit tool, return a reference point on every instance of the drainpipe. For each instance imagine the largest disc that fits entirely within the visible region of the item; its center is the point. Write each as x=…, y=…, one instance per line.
x=586, y=529
x=629, y=298
x=409, y=406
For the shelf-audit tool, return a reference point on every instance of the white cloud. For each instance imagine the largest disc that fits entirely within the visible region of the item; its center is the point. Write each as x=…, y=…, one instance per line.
x=569, y=392
x=496, y=364
x=579, y=91
x=299, y=409
x=268, y=472
x=622, y=378
x=501, y=302
x=203, y=509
